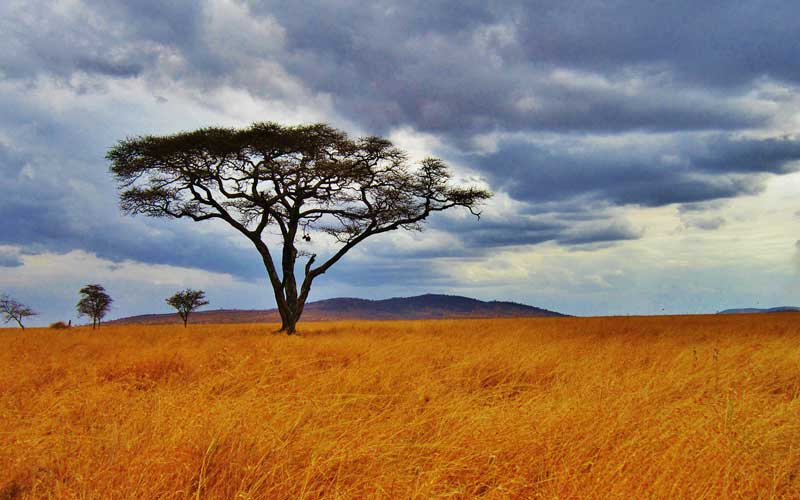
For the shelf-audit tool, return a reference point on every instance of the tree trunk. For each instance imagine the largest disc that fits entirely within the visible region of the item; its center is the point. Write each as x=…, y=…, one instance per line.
x=282, y=309
x=290, y=316
x=289, y=304
x=288, y=321
x=284, y=316
x=290, y=327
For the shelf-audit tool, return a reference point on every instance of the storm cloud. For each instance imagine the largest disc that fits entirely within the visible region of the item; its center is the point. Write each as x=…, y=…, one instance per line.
x=630, y=170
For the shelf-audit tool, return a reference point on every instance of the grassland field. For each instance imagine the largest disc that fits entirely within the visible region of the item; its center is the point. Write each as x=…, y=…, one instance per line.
x=700, y=407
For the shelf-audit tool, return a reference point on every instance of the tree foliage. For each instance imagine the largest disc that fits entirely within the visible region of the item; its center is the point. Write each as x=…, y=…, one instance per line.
x=186, y=302
x=14, y=311
x=94, y=303
x=294, y=180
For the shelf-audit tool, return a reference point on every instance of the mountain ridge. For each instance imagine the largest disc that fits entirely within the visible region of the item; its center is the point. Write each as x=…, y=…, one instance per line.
x=427, y=306
x=756, y=310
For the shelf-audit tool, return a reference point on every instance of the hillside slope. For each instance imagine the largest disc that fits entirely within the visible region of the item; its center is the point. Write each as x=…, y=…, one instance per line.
x=754, y=310
x=430, y=306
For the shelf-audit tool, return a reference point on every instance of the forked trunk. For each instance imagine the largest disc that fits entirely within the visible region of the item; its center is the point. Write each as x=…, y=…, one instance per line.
x=289, y=302
x=288, y=324
x=290, y=316
x=284, y=319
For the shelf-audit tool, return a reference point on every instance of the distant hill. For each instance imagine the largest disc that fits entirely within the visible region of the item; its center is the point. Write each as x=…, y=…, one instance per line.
x=430, y=306
x=753, y=310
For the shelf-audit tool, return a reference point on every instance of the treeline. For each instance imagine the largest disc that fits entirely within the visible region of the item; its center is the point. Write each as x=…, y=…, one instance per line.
x=95, y=303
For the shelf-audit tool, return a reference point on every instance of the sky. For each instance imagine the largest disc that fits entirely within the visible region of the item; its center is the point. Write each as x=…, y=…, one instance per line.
x=644, y=156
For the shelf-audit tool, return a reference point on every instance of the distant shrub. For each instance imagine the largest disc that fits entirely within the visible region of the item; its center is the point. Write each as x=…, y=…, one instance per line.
x=59, y=325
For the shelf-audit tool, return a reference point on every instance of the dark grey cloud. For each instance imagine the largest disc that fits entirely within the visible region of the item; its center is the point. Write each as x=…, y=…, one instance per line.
x=615, y=231
x=492, y=232
x=120, y=69
x=705, y=216
x=694, y=208
x=575, y=65
x=46, y=229
x=776, y=155
x=9, y=259
x=42, y=40
x=409, y=274
x=719, y=43
x=509, y=235
x=177, y=22
x=43, y=211
x=651, y=173
x=453, y=69
x=451, y=86
x=520, y=229
x=704, y=223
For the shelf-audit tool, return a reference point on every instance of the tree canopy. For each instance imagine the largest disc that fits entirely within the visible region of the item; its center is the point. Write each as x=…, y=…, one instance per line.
x=300, y=179
x=14, y=310
x=94, y=303
x=186, y=302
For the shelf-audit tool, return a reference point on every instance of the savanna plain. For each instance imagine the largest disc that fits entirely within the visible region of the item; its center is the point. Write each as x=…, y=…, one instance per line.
x=554, y=408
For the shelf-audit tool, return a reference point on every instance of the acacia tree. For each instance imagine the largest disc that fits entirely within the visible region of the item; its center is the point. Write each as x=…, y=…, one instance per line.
x=186, y=302
x=299, y=179
x=13, y=310
x=94, y=303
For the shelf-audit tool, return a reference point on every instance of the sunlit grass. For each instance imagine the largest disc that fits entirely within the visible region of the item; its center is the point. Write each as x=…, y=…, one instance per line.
x=671, y=407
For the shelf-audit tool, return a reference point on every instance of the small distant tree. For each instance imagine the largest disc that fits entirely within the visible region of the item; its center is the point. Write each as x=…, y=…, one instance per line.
x=94, y=303
x=186, y=302
x=13, y=310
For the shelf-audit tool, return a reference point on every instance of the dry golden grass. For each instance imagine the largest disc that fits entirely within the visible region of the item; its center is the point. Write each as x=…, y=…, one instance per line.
x=670, y=407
